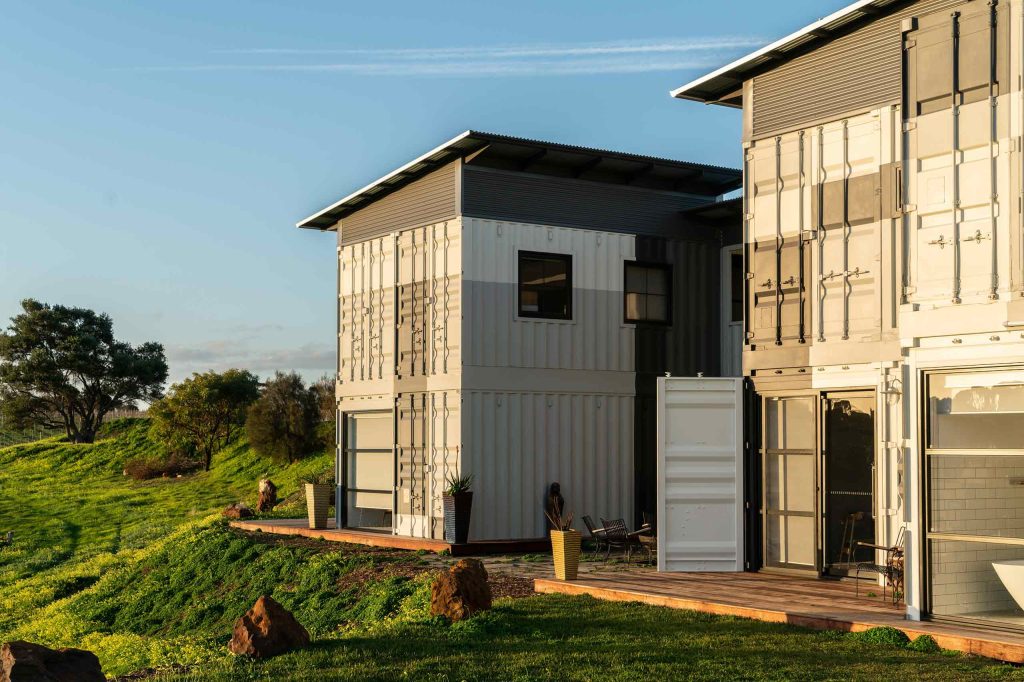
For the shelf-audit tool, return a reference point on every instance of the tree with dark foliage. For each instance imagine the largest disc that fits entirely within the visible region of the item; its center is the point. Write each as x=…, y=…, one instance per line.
x=205, y=412
x=61, y=367
x=282, y=424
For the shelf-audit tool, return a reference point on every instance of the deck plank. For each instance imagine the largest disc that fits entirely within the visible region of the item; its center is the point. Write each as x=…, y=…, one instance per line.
x=817, y=604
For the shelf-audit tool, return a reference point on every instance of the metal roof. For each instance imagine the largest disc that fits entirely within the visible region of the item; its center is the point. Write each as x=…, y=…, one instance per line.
x=699, y=178
x=721, y=86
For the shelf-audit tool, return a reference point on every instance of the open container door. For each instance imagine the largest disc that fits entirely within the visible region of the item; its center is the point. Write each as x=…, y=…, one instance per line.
x=700, y=474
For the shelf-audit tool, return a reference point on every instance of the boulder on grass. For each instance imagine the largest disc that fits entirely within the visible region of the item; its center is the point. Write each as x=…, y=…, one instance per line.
x=238, y=510
x=267, y=629
x=268, y=496
x=461, y=591
x=27, y=662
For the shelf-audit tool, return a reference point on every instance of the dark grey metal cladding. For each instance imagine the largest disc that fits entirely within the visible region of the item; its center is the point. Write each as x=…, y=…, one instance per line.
x=966, y=49
x=497, y=194
x=689, y=345
x=430, y=199
x=856, y=72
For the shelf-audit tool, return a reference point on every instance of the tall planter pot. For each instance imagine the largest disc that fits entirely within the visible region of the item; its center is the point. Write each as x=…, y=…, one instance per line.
x=457, y=509
x=565, y=548
x=318, y=499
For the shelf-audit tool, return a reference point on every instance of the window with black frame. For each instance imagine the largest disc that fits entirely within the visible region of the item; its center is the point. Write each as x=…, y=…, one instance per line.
x=648, y=297
x=545, y=285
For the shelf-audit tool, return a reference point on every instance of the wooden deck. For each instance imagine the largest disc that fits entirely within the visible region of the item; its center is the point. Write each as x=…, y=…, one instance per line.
x=378, y=539
x=818, y=604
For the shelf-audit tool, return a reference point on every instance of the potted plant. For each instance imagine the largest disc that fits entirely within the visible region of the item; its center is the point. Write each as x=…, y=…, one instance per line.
x=318, y=498
x=458, y=502
x=565, y=545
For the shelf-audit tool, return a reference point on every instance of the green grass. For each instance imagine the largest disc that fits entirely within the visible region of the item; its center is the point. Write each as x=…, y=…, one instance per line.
x=70, y=502
x=146, y=574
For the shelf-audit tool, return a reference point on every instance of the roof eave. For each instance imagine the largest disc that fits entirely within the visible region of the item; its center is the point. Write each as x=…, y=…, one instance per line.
x=774, y=51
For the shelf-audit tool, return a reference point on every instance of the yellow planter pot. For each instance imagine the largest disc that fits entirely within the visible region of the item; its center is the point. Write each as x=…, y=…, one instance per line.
x=565, y=548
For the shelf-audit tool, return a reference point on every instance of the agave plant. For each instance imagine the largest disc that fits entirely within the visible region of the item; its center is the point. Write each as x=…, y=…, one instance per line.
x=458, y=484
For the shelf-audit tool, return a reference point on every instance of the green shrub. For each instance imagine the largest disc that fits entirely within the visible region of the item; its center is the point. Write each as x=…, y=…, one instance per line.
x=883, y=635
x=926, y=644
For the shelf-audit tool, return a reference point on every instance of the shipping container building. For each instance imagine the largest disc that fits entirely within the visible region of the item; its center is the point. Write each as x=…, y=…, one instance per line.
x=884, y=332
x=504, y=308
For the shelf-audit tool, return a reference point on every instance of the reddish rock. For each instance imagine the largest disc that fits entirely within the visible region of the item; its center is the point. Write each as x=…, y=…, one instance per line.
x=239, y=510
x=461, y=592
x=27, y=662
x=268, y=496
x=267, y=629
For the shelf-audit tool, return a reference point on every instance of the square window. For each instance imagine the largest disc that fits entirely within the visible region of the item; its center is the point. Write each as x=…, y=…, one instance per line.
x=648, y=293
x=545, y=285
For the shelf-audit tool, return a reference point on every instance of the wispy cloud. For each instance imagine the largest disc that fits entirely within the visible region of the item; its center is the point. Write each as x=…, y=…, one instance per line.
x=620, y=57
x=310, y=359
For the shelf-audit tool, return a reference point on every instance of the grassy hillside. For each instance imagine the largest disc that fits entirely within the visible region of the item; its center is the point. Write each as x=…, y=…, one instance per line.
x=71, y=502
x=146, y=574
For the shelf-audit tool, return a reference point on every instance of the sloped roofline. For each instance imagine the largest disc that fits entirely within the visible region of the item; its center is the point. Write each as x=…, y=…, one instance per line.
x=468, y=142
x=713, y=87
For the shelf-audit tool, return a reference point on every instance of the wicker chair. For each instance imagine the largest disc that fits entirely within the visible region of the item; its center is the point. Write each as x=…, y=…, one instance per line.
x=891, y=570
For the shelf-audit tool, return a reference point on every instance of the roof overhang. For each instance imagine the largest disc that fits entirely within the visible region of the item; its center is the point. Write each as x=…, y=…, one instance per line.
x=724, y=85
x=535, y=156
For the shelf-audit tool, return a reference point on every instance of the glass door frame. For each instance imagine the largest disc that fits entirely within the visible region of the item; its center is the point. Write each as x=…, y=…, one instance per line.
x=819, y=396
x=824, y=397
x=814, y=514
x=341, y=468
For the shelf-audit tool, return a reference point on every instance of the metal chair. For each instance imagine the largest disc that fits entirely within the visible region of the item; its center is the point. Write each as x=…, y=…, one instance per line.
x=617, y=536
x=598, y=537
x=891, y=570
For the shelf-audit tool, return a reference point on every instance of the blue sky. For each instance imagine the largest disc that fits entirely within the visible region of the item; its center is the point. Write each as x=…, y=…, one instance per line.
x=154, y=157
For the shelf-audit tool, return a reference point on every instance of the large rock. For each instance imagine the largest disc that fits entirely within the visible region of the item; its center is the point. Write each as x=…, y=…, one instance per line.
x=461, y=592
x=268, y=496
x=267, y=629
x=27, y=662
x=239, y=510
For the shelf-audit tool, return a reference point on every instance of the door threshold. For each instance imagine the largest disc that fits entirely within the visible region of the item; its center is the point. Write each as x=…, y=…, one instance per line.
x=791, y=572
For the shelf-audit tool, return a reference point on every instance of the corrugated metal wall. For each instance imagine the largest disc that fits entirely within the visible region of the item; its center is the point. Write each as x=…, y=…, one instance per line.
x=518, y=443
x=521, y=197
x=820, y=232
x=429, y=300
x=366, y=339
x=427, y=452
x=596, y=339
x=961, y=161
x=852, y=74
x=431, y=199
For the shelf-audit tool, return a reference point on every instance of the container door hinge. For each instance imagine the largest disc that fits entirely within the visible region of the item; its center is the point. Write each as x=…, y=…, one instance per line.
x=909, y=208
x=909, y=125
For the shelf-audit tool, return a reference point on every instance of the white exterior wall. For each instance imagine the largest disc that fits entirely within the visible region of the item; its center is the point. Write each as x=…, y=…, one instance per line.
x=545, y=400
x=399, y=337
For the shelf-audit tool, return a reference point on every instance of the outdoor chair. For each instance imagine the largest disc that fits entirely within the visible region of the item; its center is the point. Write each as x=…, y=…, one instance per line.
x=598, y=537
x=847, y=551
x=891, y=570
x=617, y=536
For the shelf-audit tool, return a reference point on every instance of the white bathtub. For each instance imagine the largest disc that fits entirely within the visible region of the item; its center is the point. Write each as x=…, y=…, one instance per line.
x=1012, y=575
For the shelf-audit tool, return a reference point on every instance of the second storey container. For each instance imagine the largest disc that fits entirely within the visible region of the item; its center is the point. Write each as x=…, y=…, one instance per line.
x=504, y=306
